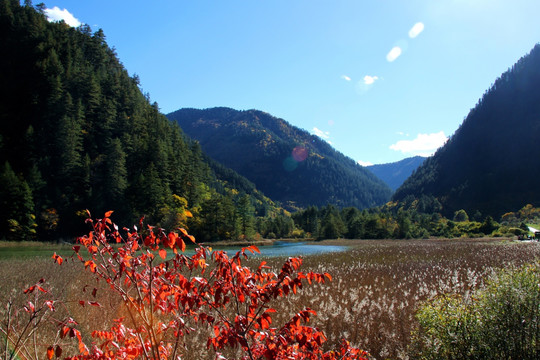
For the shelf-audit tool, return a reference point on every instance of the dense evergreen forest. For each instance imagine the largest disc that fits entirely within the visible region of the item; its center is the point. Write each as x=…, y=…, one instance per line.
x=492, y=163
x=76, y=133
x=286, y=163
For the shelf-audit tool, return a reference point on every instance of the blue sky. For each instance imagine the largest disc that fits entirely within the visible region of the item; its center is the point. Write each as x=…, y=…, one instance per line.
x=381, y=80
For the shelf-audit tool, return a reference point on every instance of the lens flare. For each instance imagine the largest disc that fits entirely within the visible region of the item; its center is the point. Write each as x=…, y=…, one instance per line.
x=299, y=153
x=289, y=164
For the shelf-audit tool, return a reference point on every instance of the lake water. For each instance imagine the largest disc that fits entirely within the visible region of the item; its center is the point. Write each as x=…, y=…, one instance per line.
x=283, y=248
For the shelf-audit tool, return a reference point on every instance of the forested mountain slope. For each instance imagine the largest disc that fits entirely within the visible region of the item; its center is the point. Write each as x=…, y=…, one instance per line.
x=492, y=162
x=394, y=174
x=77, y=133
x=286, y=163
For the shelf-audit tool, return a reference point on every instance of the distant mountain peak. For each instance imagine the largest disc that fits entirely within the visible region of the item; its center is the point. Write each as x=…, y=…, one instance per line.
x=394, y=174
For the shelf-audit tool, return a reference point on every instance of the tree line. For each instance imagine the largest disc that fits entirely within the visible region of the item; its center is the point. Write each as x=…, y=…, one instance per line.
x=77, y=133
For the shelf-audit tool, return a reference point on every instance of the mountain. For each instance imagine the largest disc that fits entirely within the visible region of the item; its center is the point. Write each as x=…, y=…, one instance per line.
x=286, y=163
x=77, y=133
x=492, y=163
x=394, y=174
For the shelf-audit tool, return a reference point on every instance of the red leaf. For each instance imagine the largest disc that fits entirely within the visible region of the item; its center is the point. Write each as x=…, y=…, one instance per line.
x=108, y=214
x=58, y=351
x=50, y=352
x=253, y=249
x=163, y=253
x=172, y=239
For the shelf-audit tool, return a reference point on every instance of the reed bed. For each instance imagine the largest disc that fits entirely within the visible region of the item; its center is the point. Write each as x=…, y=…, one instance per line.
x=376, y=289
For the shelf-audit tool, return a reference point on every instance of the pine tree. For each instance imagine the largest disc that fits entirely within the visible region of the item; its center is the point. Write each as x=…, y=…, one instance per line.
x=245, y=212
x=16, y=207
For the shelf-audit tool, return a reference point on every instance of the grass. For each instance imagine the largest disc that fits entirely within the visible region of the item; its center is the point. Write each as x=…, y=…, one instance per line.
x=32, y=249
x=377, y=287
x=534, y=225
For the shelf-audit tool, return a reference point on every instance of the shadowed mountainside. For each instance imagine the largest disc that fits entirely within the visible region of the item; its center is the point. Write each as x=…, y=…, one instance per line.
x=492, y=163
x=286, y=163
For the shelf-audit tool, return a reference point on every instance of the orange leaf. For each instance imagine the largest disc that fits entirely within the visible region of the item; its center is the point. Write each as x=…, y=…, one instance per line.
x=108, y=214
x=50, y=352
x=163, y=253
x=64, y=331
x=184, y=231
x=57, y=259
x=182, y=245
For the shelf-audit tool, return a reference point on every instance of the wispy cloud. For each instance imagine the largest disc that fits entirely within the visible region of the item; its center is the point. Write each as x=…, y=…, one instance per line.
x=423, y=145
x=393, y=54
x=416, y=30
x=364, y=85
x=364, y=163
x=368, y=79
x=322, y=134
x=55, y=14
x=345, y=77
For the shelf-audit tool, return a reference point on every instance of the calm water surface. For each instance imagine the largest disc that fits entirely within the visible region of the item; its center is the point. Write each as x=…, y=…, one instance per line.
x=284, y=248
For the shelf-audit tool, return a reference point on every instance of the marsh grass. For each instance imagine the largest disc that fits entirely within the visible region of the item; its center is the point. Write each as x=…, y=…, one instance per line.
x=377, y=287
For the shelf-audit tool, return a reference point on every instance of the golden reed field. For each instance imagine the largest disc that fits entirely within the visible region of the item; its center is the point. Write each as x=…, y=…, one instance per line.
x=377, y=286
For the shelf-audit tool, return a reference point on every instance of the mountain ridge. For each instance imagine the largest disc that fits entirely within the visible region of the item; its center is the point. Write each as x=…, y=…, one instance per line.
x=492, y=163
x=304, y=169
x=395, y=173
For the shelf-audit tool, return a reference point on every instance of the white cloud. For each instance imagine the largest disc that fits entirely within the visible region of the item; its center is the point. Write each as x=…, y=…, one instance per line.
x=368, y=79
x=55, y=14
x=322, y=134
x=364, y=163
x=423, y=145
x=345, y=77
x=416, y=30
x=393, y=54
